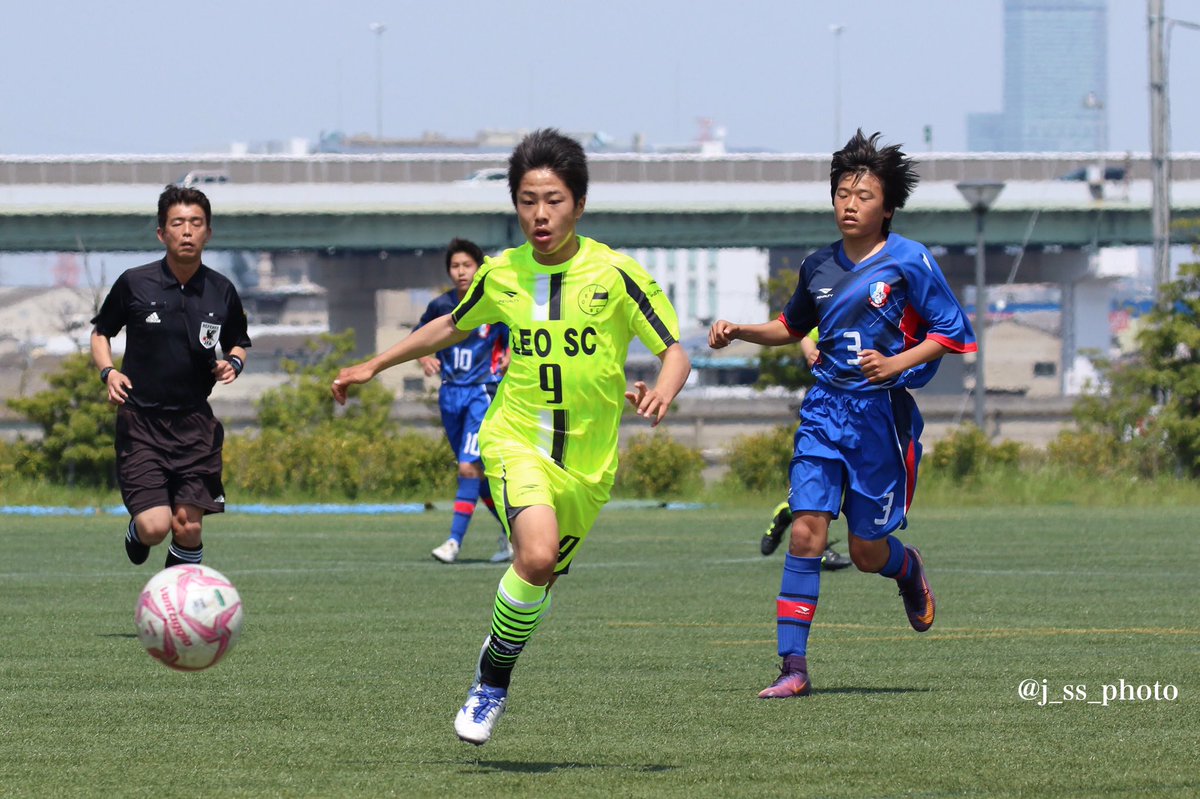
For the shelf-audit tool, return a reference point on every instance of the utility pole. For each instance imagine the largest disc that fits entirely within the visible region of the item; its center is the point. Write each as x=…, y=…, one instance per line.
x=1160, y=203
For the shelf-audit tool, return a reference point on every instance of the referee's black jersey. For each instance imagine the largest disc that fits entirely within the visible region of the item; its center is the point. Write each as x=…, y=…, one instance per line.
x=172, y=332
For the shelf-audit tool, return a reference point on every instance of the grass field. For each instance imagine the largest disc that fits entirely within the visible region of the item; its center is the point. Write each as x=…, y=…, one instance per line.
x=358, y=649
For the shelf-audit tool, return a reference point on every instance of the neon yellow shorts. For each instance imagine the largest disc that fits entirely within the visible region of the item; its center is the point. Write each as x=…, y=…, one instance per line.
x=521, y=476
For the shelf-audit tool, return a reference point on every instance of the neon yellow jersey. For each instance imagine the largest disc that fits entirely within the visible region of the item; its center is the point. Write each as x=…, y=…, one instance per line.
x=569, y=331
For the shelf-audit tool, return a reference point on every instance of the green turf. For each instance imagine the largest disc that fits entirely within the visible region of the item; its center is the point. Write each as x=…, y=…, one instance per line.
x=358, y=649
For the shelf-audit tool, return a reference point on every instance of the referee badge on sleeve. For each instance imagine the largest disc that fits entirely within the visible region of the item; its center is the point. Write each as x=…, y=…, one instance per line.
x=209, y=333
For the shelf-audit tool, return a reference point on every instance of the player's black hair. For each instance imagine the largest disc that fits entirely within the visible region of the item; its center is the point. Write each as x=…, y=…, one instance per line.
x=888, y=164
x=462, y=245
x=548, y=149
x=177, y=195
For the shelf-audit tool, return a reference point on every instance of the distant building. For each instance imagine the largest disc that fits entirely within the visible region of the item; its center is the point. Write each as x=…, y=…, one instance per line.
x=709, y=284
x=1055, y=80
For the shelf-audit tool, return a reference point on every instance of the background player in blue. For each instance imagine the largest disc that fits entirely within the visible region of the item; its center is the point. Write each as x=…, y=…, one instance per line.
x=470, y=371
x=886, y=315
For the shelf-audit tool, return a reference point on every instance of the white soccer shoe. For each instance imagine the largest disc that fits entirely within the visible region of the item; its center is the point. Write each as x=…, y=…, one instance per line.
x=504, y=553
x=477, y=718
x=447, y=552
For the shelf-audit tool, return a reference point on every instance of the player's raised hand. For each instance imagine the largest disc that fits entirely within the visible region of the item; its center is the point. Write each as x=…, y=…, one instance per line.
x=649, y=402
x=721, y=334
x=359, y=373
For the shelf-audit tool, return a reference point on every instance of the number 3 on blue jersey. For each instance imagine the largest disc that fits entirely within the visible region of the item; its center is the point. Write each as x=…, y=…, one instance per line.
x=854, y=346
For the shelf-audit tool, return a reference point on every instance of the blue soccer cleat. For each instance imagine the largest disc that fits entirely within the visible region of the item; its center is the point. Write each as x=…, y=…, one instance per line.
x=919, y=603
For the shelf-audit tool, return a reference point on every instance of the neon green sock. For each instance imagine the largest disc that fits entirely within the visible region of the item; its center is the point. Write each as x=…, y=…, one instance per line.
x=519, y=608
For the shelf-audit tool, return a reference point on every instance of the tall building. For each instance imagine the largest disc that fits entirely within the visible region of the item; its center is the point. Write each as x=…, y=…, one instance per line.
x=1055, y=80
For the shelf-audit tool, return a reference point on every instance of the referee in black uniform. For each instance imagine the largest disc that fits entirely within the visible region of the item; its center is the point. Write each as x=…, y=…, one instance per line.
x=176, y=311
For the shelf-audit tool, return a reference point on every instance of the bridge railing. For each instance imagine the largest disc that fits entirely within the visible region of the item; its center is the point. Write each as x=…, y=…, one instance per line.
x=616, y=168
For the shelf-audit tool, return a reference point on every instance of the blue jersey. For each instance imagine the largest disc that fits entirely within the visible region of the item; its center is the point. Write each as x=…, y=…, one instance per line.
x=473, y=361
x=890, y=302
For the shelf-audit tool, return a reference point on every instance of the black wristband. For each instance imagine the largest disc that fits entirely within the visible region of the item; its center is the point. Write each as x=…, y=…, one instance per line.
x=104, y=374
x=237, y=364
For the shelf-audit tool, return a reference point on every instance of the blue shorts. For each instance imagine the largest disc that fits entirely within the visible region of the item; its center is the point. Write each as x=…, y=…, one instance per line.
x=463, y=409
x=857, y=452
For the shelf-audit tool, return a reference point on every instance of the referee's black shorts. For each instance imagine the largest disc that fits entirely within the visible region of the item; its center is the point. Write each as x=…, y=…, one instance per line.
x=169, y=458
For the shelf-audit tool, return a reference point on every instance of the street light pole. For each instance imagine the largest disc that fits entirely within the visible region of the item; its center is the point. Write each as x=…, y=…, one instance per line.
x=378, y=28
x=981, y=311
x=836, y=30
x=980, y=195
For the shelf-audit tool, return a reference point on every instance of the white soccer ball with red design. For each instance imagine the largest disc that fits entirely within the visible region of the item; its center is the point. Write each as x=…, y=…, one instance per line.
x=189, y=617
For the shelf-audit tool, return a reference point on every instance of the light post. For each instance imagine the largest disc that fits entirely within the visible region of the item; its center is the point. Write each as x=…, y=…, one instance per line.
x=378, y=28
x=980, y=195
x=1160, y=28
x=836, y=30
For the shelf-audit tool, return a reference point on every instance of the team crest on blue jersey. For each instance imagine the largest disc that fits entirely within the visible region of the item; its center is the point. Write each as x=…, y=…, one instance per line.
x=877, y=294
x=592, y=299
x=483, y=330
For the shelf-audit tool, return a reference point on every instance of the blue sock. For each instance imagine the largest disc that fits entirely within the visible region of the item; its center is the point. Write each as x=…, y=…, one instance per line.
x=898, y=565
x=797, y=603
x=485, y=496
x=464, y=506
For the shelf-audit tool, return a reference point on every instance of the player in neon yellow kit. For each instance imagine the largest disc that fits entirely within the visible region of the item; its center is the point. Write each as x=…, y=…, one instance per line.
x=549, y=439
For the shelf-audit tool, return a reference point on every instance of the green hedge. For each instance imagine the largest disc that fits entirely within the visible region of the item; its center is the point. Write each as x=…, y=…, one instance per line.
x=654, y=465
x=330, y=463
x=759, y=461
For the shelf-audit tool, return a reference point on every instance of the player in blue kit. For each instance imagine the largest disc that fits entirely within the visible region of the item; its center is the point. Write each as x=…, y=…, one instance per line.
x=471, y=371
x=886, y=315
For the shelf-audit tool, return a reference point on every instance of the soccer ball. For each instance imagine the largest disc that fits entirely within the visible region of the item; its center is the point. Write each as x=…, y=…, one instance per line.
x=188, y=617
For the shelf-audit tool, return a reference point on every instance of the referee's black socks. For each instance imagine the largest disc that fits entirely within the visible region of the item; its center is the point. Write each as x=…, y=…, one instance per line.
x=177, y=554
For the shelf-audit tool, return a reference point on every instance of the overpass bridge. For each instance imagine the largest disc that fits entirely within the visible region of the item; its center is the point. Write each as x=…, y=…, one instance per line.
x=402, y=203
x=362, y=222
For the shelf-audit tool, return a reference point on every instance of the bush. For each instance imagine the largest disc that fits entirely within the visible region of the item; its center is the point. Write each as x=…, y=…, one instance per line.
x=1150, y=405
x=759, y=462
x=654, y=465
x=77, y=428
x=1142, y=453
x=303, y=403
x=966, y=452
x=329, y=463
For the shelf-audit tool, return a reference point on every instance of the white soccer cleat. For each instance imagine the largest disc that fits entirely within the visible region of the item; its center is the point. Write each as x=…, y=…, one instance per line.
x=477, y=718
x=504, y=553
x=447, y=552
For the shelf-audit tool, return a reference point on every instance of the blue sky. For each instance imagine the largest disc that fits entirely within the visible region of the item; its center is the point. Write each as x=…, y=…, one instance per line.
x=139, y=76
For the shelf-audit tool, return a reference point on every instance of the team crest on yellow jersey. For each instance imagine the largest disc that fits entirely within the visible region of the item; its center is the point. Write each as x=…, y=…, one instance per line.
x=592, y=299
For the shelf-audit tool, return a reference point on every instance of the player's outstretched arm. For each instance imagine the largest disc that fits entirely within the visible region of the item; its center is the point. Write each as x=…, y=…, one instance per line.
x=653, y=403
x=425, y=340
x=769, y=334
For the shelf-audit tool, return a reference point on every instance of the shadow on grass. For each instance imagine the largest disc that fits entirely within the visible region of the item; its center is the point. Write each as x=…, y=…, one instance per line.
x=867, y=691
x=116, y=635
x=533, y=767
